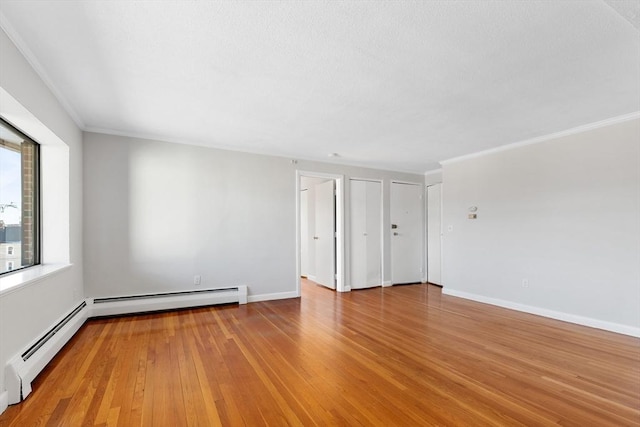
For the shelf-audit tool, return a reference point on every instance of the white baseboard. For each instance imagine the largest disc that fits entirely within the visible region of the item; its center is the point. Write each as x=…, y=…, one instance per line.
x=4, y=401
x=558, y=315
x=312, y=278
x=274, y=296
x=387, y=283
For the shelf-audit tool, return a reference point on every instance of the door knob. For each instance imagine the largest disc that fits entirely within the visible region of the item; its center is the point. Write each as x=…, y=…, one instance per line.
x=315, y=237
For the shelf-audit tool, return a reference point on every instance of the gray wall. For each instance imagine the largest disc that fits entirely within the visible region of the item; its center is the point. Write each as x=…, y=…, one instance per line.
x=28, y=311
x=157, y=213
x=563, y=214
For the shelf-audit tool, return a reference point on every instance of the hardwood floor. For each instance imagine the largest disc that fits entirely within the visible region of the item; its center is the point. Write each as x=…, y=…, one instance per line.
x=405, y=355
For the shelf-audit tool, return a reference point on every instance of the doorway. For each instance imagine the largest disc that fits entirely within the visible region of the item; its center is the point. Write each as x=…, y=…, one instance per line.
x=319, y=229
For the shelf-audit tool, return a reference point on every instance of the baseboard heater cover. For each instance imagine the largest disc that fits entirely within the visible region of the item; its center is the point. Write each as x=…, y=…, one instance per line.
x=22, y=369
x=128, y=304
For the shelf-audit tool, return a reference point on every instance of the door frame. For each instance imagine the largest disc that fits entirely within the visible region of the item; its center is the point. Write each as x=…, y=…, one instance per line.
x=340, y=253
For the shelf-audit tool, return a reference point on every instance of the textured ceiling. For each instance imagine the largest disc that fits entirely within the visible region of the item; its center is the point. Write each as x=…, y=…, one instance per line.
x=396, y=85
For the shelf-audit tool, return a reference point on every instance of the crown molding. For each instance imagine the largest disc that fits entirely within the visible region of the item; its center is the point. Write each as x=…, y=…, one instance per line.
x=39, y=69
x=545, y=138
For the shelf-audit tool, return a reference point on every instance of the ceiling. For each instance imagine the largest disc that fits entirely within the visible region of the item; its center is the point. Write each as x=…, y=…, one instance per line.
x=396, y=85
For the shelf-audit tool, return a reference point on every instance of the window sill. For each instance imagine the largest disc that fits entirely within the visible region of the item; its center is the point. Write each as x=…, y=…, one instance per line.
x=21, y=278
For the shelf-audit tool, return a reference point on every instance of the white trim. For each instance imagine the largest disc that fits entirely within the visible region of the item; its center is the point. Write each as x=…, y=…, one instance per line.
x=4, y=401
x=558, y=315
x=39, y=69
x=273, y=296
x=545, y=138
x=340, y=222
x=182, y=141
x=201, y=143
x=395, y=181
x=386, y=283
x=433, y=172
x=355, y=178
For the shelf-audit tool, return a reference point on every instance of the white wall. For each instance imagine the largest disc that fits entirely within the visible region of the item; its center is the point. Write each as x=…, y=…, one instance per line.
x=158, y=213
x=563, y=214
x=30, y=310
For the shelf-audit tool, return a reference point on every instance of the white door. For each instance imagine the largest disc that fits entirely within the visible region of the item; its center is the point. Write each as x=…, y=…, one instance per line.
x=434, y=233
x=324, y=237
x=366, y=234
x=406, y=233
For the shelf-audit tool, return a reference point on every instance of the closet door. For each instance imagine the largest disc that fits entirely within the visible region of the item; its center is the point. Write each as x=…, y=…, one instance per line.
x=366, y=234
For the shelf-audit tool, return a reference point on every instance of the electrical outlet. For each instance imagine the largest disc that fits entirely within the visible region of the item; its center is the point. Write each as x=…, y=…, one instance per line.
x=197, y=279
x=525, y=283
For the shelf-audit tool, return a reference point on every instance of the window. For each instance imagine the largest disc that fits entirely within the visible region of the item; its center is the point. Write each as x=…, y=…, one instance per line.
x=19, y=199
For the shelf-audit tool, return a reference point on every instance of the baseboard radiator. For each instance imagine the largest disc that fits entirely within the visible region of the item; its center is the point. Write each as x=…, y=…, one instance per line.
x=167, y=301
x=22, y=369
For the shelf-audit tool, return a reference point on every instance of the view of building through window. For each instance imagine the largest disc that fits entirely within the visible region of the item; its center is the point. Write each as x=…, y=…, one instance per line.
x=19, y=215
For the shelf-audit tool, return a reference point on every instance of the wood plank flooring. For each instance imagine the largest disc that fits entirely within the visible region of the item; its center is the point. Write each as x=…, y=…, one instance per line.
x=405, y=356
